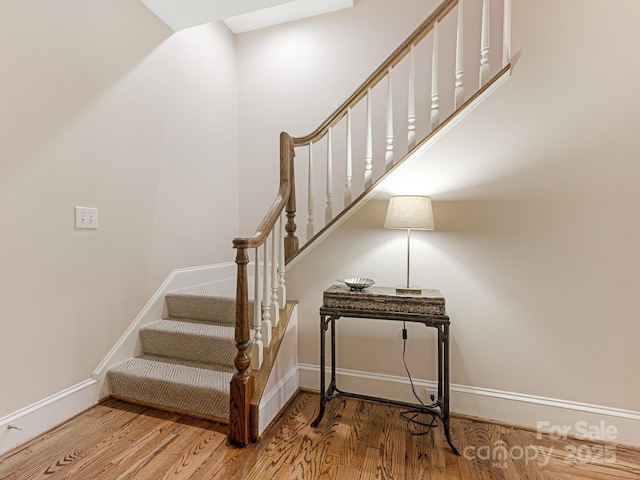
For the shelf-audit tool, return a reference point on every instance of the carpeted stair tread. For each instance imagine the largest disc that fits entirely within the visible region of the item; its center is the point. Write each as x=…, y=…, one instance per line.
x=179, y=384
x=208, y=302
x=190, y=340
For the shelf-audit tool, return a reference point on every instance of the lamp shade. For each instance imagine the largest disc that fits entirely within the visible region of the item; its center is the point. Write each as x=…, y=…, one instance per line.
x=410, y=211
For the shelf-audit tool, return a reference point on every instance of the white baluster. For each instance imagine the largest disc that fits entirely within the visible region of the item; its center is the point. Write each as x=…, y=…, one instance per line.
x=435, y=95
x=506, y=34
x=310, y=227
x=266, y=298
x=368, y=166
x=349, y=173
x=485, y=67
x=328, y=212
x=388, y=158
x=282, y=288
x=411, y=135
x=459, y=92
x=275, y=306
x=257, y=350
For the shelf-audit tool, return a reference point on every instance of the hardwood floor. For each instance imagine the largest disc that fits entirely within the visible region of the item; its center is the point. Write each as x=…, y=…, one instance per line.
x=355, y=440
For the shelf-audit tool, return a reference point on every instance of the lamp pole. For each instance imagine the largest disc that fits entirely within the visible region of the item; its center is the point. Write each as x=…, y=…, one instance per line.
x=408, y=254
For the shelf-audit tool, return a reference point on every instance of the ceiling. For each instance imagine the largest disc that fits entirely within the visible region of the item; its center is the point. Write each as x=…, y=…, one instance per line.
x=239, y=15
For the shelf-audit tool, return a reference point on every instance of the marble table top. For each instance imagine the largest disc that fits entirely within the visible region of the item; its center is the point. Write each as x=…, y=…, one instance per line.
x=430, y=301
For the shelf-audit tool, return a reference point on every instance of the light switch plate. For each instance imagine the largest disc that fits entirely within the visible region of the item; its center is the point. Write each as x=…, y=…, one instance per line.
x=86, y=217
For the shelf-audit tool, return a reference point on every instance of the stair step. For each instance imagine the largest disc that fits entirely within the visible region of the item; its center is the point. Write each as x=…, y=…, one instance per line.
x=177, y=384
x=189, y=340
x=207, y=302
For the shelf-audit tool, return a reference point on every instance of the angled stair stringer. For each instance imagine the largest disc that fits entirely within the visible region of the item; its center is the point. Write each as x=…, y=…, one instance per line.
x=418, y=151
x=277, y=380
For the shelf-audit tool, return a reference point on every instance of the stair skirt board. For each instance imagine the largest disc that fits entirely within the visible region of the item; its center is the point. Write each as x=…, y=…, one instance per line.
x=282, y=381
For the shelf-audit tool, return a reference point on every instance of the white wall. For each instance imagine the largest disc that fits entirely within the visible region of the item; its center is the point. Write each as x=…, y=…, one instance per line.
x=534, y=194
x=101, y=107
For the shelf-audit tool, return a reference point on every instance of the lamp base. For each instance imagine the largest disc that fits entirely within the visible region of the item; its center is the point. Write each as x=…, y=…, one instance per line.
x=410, y=290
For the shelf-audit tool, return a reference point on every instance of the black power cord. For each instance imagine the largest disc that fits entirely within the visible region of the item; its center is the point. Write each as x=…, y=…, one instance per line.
x=414, y=424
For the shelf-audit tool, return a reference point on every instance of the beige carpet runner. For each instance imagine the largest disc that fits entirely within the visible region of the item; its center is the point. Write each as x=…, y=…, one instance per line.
x=187, y=359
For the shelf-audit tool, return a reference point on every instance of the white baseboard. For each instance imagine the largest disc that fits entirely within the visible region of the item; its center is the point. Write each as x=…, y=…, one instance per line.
x=528, y=410
x=35, y=419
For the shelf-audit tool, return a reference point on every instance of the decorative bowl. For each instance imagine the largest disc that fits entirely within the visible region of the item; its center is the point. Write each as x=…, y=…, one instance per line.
x=357, y=283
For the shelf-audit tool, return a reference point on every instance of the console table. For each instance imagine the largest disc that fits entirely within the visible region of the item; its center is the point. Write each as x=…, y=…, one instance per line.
x=382, y=303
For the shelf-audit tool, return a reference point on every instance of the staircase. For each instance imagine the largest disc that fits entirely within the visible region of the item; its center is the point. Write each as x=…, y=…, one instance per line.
x=187, y=359
x=206, y=357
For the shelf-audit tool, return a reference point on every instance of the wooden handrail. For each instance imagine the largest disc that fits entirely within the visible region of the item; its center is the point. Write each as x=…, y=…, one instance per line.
x=391, y=61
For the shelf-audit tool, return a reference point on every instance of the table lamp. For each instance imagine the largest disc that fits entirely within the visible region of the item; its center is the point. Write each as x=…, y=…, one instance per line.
x=410, y=212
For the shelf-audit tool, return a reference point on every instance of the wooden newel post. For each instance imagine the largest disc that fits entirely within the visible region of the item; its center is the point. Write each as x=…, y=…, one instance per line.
x=242, y=382
x=290, y=241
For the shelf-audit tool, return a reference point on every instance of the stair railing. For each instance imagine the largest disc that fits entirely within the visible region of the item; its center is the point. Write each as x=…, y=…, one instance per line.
x=269, y=293
x=363, y=139
x=276, y=237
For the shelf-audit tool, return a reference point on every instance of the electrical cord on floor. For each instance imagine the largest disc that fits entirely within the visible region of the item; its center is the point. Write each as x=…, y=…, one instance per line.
x=414, y=425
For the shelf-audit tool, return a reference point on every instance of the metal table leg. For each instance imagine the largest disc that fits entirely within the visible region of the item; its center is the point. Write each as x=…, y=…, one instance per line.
x=323, y=393
x=445, y=387
x=440, y=365
x=332, y=384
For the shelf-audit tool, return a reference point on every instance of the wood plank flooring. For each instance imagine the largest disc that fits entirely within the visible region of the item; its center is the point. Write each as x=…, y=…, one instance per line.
x=355, y=440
